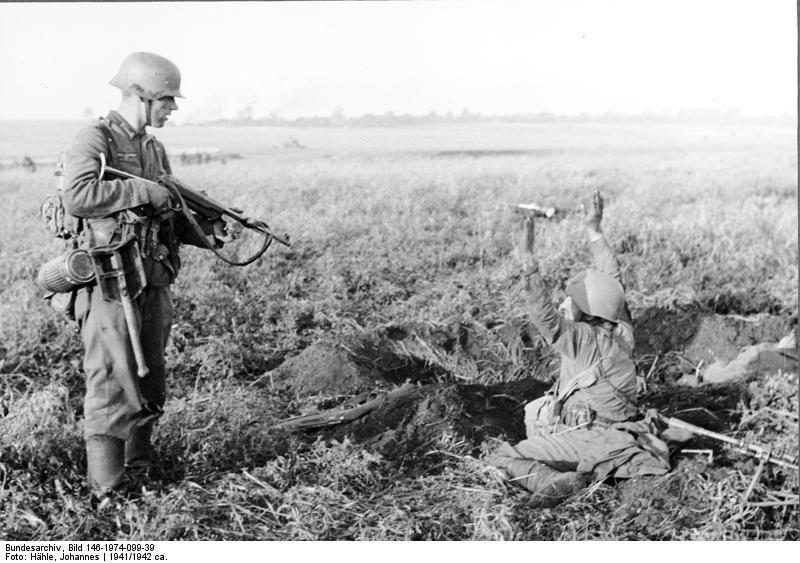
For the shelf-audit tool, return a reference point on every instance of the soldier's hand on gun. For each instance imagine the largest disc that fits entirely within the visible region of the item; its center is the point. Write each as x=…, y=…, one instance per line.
x=524, y=241
x=227, y=231
x=158, y=196
x=594, y=216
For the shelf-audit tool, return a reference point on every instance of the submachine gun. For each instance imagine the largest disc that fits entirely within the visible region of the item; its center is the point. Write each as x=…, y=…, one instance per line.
x=110, y=264
x=117, y=268
x=189, y=199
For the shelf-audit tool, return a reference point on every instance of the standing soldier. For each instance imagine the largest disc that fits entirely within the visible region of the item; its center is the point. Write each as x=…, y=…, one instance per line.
x=119, y=406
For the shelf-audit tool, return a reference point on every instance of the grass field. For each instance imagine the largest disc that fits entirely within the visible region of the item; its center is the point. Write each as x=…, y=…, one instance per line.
x=405, y=231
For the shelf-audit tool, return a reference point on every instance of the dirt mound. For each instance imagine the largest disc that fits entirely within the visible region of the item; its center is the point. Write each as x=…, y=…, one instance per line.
x=324, y=368
x=338, y=369
x=704, y=336
x=387, y=355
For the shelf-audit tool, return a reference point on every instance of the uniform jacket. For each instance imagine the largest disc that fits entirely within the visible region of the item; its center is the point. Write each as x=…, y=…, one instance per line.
x=607, y=348
x=111, y=206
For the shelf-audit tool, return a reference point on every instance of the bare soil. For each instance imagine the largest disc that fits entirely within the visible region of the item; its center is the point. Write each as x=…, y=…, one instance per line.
x=327, y=373
x=701, y=335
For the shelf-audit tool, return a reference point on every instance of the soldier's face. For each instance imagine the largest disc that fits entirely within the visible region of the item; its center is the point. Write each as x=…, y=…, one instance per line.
x=160, y=110
x=569, y=310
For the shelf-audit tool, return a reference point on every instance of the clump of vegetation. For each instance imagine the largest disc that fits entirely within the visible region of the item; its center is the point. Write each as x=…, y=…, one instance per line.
x=401, y=262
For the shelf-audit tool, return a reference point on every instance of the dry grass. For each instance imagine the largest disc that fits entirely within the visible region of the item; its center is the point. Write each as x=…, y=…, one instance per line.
x=384, y=237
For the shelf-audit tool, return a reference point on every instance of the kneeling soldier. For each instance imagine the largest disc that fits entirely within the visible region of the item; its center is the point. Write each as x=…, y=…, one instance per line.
x=582, y=429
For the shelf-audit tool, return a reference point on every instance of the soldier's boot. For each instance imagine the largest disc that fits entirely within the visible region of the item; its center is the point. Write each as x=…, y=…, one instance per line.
x=550, y=487
x=138, y=451
x=105, y=464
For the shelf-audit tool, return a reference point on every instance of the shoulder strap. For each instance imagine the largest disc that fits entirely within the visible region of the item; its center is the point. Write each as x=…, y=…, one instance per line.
x=589, y=377
x=586, y=378
x=113, y=158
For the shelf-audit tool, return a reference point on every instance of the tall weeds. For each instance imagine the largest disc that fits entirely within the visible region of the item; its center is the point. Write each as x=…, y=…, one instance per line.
x=413, y=237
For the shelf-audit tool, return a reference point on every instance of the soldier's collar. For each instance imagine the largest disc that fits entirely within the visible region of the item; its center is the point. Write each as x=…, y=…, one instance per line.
x=120, y=121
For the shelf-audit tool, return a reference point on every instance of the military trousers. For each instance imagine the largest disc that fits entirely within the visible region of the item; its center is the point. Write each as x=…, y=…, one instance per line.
x=622, y=450
x=115, y=394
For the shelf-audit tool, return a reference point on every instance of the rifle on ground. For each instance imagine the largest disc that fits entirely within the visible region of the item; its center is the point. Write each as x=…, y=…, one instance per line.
x=347, y=411
x=205, y=206
x=760, y=452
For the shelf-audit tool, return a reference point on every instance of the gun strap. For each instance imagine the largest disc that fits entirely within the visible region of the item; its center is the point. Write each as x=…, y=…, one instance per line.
x=113, y=157
x=199, y=231
x=114, y=160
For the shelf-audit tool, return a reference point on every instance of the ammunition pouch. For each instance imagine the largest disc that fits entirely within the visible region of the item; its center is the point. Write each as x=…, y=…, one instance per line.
x=145, y=229
x=114, y=228
x=549, y=415
x=542, y=415
x=578, y=415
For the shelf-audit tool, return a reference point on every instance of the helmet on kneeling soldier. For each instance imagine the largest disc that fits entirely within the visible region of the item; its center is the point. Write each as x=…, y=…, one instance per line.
x=597, y=294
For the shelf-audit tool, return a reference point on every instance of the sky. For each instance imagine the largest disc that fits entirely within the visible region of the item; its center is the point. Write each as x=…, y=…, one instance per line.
x=492, y=57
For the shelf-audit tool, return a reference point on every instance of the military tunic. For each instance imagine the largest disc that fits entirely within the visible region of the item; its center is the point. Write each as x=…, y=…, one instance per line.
x=607, y=349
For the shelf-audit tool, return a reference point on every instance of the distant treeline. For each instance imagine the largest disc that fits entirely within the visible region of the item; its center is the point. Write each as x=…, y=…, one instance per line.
x=391, y=119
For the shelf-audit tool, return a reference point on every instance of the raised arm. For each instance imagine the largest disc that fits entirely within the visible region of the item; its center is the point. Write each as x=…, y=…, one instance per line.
x=604, y=258
x=561, y=334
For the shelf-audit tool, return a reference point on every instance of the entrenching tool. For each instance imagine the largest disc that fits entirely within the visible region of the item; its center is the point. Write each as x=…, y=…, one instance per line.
x=120, y=276
x=347, y=411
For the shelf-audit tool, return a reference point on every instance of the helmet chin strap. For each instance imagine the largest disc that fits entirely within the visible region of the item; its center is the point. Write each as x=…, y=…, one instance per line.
x=148, y=106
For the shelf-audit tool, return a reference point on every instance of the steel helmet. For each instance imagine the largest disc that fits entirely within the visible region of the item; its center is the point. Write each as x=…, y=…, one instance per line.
x=598, y=294
x=148, y=75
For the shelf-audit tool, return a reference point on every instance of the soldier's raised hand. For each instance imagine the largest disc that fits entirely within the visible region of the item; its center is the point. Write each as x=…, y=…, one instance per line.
x=594, y=216
x=524, y=240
